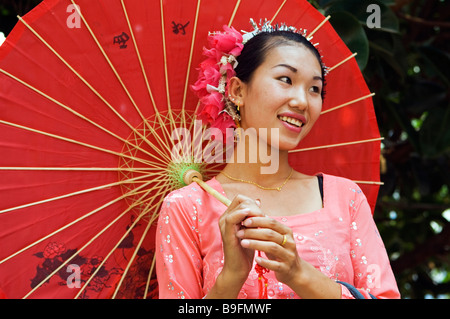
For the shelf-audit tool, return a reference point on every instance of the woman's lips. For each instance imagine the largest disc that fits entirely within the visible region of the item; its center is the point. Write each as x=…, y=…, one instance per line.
x=292, y=121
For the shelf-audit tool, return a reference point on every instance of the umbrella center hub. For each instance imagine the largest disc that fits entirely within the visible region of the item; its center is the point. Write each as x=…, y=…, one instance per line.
x=154, y=159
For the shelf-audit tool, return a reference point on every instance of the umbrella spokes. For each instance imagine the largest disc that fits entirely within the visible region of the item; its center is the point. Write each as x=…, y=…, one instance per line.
x=94, y=135
x=148, y=210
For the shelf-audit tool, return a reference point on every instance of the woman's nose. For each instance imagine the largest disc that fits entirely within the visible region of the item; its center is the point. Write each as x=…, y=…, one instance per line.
x=299, y=99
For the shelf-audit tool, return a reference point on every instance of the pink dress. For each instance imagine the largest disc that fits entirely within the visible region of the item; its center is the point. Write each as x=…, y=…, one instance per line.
x=341, y=240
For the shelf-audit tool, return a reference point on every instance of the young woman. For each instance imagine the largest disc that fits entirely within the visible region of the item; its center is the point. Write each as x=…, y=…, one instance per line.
x=286, y=234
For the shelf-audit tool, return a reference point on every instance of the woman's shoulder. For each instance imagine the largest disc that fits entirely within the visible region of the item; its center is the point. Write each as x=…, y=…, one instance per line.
x=340, y=182
x=346, y=194
x=191, y=204
x=342, y=187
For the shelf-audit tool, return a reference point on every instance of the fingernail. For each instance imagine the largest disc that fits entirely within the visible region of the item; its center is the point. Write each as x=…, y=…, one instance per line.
x=240, y=233
x=258, y=202
x=245, y=243
x=247, y=222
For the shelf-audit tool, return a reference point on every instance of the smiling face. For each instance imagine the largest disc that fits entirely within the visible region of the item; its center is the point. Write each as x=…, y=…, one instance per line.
x=284, y=93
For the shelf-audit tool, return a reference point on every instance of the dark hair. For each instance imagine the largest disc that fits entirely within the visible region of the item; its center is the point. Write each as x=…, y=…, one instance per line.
x=256, y=49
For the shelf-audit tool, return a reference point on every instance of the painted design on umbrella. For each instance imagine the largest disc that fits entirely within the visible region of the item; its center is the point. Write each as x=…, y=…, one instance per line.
x=88, y=106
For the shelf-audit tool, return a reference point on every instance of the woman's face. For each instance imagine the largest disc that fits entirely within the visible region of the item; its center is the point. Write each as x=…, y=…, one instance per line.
x=285, y=94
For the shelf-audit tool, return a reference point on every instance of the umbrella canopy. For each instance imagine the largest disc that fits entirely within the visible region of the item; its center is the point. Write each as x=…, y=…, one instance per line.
x=90, y=95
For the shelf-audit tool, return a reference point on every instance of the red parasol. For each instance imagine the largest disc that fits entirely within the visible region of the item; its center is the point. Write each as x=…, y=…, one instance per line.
x=90, y=93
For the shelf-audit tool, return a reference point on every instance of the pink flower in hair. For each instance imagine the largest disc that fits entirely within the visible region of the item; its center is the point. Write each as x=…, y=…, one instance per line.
x=211, y=107
x=209, y=73
x=228, y=42
x=223, y=122
x=214, y=75
x=228, y=69
x=212, y=53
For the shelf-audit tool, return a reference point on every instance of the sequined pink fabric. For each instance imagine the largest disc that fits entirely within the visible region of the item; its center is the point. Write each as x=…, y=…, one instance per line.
x=341, y=240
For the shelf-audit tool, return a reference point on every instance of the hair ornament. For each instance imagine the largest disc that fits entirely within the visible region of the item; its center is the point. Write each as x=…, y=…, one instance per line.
x=267, y=27
x=216, y=108
x=214, y=73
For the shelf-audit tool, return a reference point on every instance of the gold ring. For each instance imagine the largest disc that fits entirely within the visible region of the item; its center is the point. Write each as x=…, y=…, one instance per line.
x=284, y=240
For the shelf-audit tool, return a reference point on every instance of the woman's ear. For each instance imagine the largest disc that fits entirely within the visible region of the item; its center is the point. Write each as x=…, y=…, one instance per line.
x=237, y=91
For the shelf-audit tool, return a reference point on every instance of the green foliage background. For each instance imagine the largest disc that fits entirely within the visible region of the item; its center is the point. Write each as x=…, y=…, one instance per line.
x=406, y=62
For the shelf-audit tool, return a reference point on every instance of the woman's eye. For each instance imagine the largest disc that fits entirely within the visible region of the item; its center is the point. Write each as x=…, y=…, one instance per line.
x=285, y=79
x=315, y=89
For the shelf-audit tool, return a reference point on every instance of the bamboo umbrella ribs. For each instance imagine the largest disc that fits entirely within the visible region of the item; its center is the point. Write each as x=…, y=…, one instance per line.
x=90, y=98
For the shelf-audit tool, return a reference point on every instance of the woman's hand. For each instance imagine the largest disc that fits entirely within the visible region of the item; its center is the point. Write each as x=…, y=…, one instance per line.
x=277, y=242
x=238, y=260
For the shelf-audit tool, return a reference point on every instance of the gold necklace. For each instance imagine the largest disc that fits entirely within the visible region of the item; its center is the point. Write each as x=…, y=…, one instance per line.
x=259, y=186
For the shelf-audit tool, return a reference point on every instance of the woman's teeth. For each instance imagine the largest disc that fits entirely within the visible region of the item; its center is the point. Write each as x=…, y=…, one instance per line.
x=291, y=120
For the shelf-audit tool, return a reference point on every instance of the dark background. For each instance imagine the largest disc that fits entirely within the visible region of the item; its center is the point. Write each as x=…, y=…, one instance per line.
x=406, y=63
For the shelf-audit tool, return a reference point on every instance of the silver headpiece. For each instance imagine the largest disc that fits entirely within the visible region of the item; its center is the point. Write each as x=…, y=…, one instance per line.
x=267, y=27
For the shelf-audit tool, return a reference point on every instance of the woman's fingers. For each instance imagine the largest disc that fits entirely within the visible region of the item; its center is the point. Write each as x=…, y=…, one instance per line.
x=281, y=259
x=244, y=202
x=268, y=235
x=236, y=217
x=270, y=264
x=276, y=240
x=268, y=223
x=272, y=249
x=263, y=234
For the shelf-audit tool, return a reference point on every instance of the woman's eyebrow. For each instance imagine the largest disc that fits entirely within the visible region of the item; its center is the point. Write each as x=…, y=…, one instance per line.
x=318, y=78
x=286, y=66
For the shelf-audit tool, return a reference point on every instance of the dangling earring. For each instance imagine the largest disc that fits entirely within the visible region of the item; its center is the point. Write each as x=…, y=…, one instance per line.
x=237, y=131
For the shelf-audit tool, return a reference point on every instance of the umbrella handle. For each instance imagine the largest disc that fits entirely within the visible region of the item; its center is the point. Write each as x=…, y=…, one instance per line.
x=193, y=176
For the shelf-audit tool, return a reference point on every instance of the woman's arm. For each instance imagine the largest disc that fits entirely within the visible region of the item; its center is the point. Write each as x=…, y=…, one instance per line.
x=227, y=286
x=238, y=260
x=178, y=258
x=179, y=262
x=371, y=266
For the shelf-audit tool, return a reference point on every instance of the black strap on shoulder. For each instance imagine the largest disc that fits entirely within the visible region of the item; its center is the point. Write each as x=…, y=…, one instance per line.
x=320, y=180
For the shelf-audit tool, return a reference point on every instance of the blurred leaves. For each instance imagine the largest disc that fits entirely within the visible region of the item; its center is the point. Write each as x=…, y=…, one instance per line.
x=9, y=9
x=362, y=11
x=406, y=62
x=352, y=33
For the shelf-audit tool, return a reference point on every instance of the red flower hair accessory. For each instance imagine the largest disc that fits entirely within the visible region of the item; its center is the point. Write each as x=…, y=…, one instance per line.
x=216, y=71
x=214, y=75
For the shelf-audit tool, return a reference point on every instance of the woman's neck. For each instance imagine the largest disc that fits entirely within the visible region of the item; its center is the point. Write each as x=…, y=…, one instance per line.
x=258, y=162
